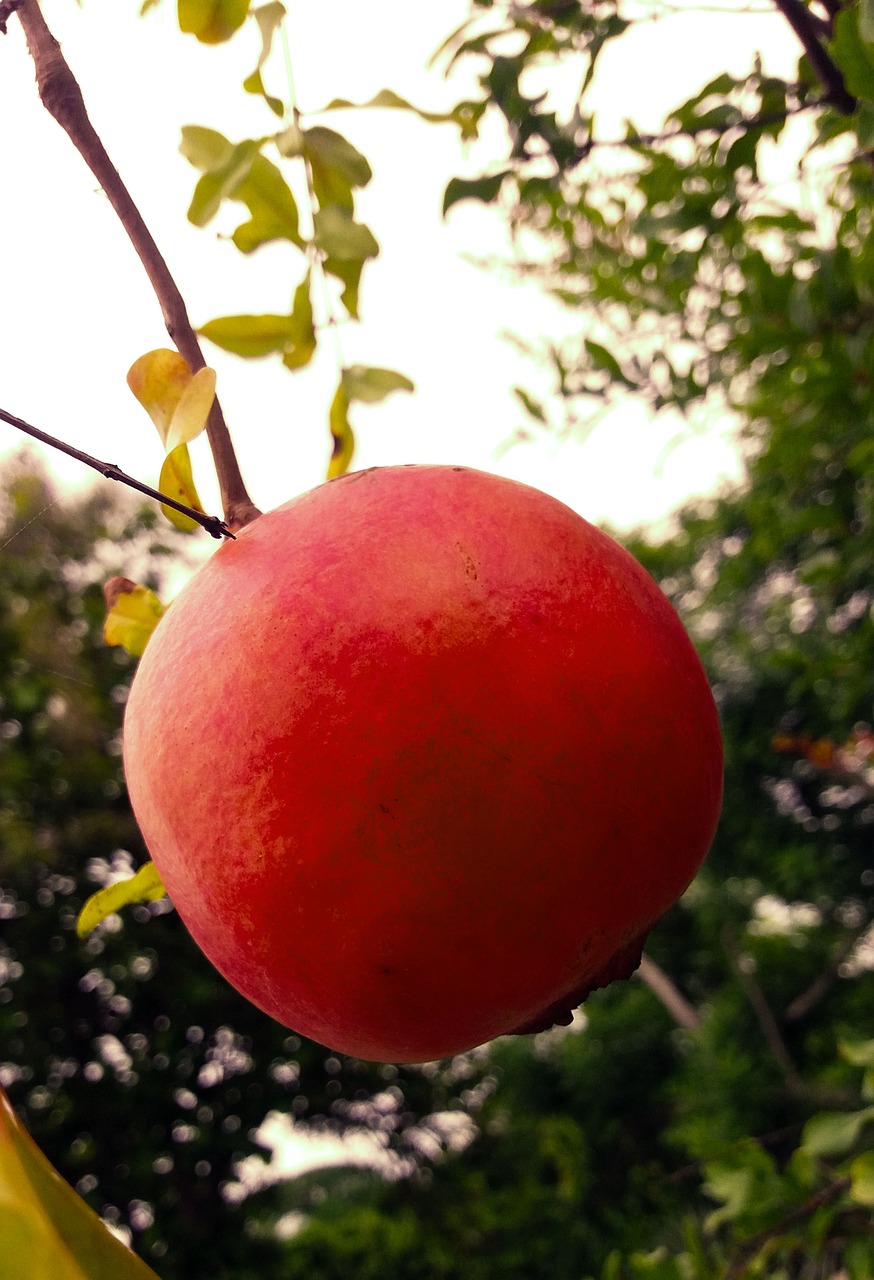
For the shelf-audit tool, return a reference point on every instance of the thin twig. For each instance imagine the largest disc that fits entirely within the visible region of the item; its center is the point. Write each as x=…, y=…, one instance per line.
x=764, y=1015
x=819, y=988
x=62, y=98
x=808, y=30
x=748, y=1249
x=213, y=525
x=664, y=989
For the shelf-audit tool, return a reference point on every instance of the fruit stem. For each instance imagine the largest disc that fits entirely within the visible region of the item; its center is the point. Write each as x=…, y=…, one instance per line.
x=62, y=98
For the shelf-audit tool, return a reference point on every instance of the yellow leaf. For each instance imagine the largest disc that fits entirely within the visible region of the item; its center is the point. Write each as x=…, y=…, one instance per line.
x=177, y=482
x=341, y=435
x=133, y=613
x=145, y=886
x=191, y=413
x=177, y=401
x=47, y=1232
x=157, y=380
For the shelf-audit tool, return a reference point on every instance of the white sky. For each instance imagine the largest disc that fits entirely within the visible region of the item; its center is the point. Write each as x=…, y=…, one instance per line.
x=77, y=309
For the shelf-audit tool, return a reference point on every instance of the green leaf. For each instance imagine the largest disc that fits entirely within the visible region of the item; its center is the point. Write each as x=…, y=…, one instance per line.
x=248, y=336
x=340, y=237
x=370, y=386
x=145, y=886
x=302, y=345
x=212, y=21
x=862, y=1179
x=47, y=1229
x=336, y=166
x=486, y=189
x=388, y=98
x=859, y=1052
x=349, y=272
x=133, y=613
x=531, y=406
x=221, y=184
x=271, y=204
x=853, y=55
x=834, y=1133
x=207, y=149
x=734, y=1187
x=606, y=362
x=866, y=25
x=343, y=439
x=253, y=336
x=269, y=18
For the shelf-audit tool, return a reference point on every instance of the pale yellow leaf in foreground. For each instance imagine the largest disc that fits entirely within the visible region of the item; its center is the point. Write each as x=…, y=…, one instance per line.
x=47, y=1232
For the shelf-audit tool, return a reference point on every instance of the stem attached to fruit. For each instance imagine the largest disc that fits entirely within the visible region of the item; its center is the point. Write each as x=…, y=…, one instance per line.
x=62, y=98
x=212, y=524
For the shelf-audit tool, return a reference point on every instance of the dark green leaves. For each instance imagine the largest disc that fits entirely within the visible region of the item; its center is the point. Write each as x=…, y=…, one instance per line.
x=486, y=189
x=853, y=49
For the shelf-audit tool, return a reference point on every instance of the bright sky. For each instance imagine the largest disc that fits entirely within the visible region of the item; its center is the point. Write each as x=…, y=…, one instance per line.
x=77, y=309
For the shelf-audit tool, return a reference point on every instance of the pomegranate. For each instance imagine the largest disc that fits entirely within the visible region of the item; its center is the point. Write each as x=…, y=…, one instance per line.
x=421, y=757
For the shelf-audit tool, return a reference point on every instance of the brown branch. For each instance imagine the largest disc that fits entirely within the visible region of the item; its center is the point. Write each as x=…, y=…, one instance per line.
x=62, y=98
x=748, y=1249
x=808, y=999
x=806, y=27
x=764, y=1016
x=217, y=528
x=664, y=989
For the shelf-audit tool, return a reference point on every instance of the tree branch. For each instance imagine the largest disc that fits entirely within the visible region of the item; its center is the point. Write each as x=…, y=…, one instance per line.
x=747, y=1249
x=806, y=27
x=764, y=1015
x=663, y=988
x=62, y=98
x=217, y=528
x=808, y=999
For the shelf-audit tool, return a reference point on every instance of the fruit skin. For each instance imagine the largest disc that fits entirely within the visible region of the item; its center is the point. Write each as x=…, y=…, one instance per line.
x=419, y=756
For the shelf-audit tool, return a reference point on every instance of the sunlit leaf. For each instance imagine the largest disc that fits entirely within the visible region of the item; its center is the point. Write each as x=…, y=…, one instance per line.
x=191, y=413
x=251, y=336
x=271, y=204
x=336, y=166
x=145, y=886
x=221, y=184
x=834, y=1133
x=133, y=612
x=339, y=236
x=862, y=1179
x=47, y=1231
x=269, y=17
x=212, y=21
x=177, y=482
x=343, y=439
x=177, y=401
x=388, y=98
x=207, y=149
x=369, y=386
x=348, y=271
x=302, y=330
x=248, y=336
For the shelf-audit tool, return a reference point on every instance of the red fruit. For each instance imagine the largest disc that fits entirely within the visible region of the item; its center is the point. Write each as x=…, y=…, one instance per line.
x=421, y=757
